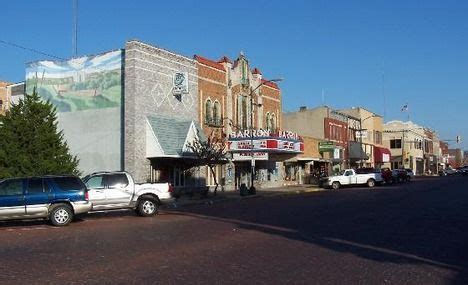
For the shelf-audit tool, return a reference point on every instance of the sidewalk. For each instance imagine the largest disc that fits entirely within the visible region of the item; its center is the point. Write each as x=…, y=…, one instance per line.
x=223, y=196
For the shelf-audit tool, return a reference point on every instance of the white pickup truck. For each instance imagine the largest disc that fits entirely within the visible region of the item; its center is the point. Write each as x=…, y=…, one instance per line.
x=117, y=190
x=352, y=177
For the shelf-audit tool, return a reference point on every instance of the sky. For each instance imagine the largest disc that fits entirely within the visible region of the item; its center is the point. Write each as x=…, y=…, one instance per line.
x=379, y=55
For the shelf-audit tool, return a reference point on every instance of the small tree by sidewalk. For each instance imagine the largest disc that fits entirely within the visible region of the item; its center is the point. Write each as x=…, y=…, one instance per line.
x=30, y=142
x=210, y=152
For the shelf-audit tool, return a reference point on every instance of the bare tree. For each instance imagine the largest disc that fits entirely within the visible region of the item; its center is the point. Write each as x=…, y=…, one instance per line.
x=210, y=152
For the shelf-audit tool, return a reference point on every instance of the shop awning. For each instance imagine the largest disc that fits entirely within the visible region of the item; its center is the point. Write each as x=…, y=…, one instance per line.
x=382, y=155
x=169, y=137
x=356, y=152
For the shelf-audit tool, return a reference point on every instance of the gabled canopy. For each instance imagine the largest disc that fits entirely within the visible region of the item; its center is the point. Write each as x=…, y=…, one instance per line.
x=168, y=137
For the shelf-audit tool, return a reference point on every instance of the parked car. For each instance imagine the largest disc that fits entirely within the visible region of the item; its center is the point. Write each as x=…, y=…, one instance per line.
x=117, y=190
x=448, y=171
x=464, y=170
x=400, y=175
x=410, y=173
x=352, y=177
x=387, y=175
x=56, y=198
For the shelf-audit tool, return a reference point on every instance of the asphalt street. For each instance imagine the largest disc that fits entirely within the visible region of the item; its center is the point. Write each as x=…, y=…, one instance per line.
x=414, y=233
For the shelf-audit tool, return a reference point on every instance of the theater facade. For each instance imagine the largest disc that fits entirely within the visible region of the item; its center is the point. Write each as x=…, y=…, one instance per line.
x=239, y=104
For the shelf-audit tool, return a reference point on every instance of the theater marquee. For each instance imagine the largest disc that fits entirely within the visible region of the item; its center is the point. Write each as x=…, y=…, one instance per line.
x=265, y=141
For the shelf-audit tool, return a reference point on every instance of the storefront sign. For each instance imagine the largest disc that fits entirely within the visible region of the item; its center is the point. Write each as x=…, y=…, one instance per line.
x=247, y=156
x=361, y=134
x=336, y=153
x=385, y=157
x=326, y=146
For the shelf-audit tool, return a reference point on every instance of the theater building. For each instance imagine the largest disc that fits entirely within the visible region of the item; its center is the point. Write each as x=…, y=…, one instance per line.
x=242, y=106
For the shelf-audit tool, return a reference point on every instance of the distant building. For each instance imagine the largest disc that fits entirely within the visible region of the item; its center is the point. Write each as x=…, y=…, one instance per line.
x=456, y=157
x=329, y=127
x=406, y=141
x=369, y=139
x=444, y=154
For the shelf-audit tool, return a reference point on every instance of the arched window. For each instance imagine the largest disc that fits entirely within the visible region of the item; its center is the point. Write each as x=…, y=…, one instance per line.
x=217, y=113
x=267, y=121
x=208, y=112
x=273, y=122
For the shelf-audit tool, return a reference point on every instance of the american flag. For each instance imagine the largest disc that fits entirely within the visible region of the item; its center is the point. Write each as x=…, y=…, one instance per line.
x=404, y=108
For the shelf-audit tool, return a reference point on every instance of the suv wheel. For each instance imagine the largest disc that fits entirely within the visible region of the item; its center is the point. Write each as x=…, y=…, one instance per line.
x=147, y=207
x=61, y=215
x=370, y=183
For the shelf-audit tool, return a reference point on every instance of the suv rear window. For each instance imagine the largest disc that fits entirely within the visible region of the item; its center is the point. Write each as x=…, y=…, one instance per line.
x=69, y=183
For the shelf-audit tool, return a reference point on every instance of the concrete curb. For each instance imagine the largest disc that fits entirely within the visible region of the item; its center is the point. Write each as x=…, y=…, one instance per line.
x=232, y=197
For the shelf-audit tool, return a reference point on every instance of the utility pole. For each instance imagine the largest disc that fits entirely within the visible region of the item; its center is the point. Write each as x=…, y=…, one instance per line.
x=75, y=29
x=252, y=155
x=383, y=93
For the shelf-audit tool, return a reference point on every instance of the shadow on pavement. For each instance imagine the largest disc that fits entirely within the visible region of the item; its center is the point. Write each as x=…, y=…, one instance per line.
x=419, y=223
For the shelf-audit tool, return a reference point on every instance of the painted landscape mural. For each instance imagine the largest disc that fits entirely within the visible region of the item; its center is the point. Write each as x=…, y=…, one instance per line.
x=89, y=82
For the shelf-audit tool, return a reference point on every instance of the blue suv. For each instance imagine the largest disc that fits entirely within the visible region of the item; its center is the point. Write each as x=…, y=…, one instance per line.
x=57, y=198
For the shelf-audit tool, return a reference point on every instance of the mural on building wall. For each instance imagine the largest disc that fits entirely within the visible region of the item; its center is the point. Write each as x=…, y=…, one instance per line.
x=88, y=82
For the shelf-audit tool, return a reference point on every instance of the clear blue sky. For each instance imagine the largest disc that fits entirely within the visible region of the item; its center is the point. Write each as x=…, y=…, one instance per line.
x=339, y=46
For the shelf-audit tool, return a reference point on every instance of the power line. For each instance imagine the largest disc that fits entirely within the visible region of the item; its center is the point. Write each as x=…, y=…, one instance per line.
x=56, y=57
x=29, y=49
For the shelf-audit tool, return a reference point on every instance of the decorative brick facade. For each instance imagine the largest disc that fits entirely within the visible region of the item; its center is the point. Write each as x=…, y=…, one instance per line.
x=148, y=90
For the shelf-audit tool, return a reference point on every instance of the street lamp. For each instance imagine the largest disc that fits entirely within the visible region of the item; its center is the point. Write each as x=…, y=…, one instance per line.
x=252, y=159
x=360, y=134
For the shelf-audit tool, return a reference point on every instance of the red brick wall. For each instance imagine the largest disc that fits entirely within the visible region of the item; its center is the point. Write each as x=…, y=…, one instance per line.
x=272, y=104
x=211, y=85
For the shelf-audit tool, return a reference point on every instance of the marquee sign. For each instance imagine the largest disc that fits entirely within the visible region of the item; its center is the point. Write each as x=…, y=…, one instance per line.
x=264, y=133
x=265, y=141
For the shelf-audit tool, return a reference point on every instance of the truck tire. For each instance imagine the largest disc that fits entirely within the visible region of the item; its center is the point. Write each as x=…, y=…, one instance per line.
x=147, y=206
x=60, y=215
x=370, y=183
x=336, y=185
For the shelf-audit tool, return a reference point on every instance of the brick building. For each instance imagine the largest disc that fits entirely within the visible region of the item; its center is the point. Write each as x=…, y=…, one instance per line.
x=330, y=128
x=237, y=103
